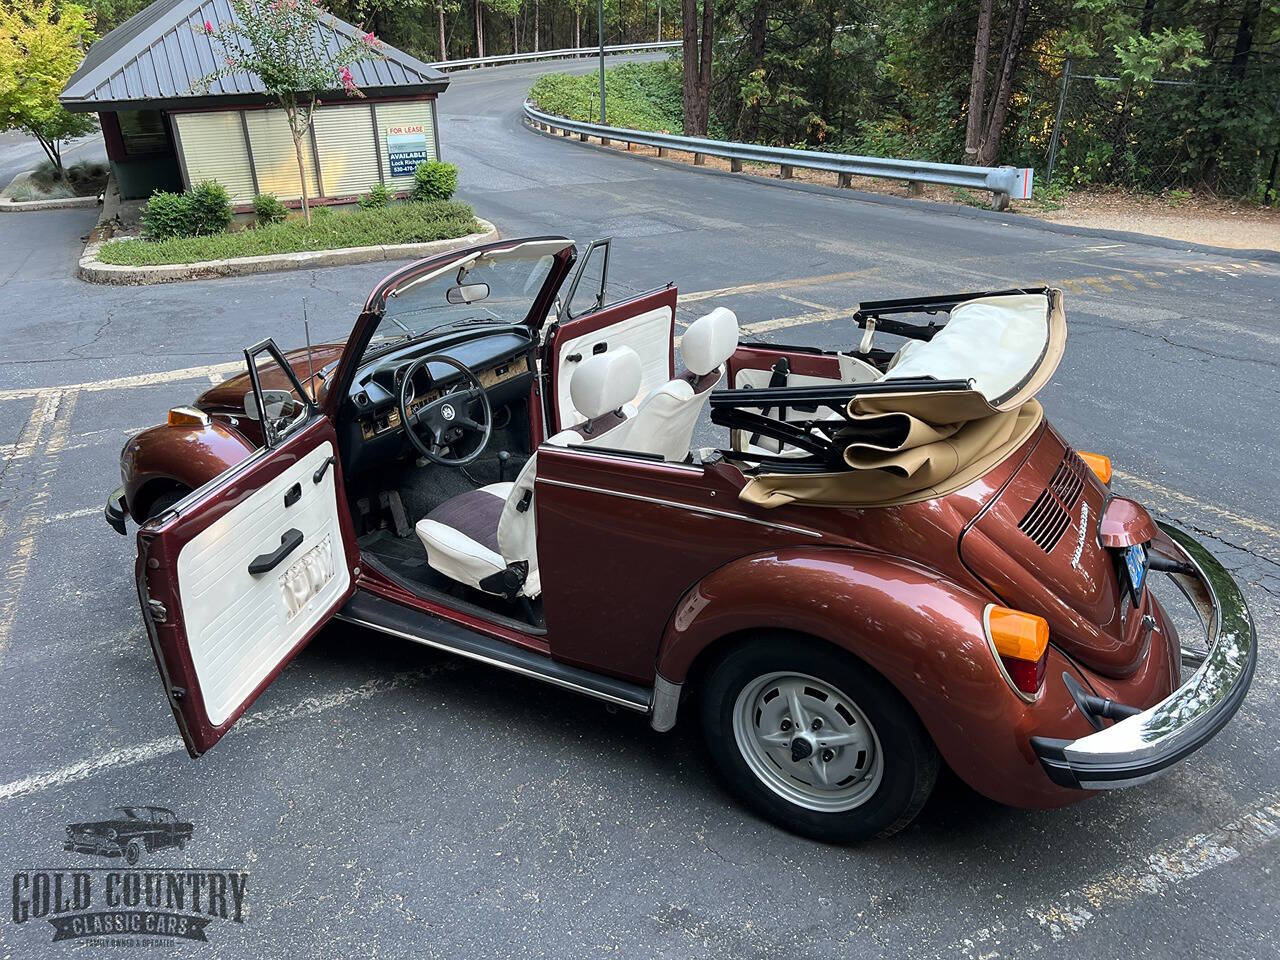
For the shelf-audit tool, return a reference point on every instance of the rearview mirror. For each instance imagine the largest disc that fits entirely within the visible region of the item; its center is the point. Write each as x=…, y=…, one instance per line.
x=467, y=293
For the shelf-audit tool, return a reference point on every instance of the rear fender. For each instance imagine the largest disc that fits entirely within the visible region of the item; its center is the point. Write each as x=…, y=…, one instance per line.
x=922, y=633
x=164, y=456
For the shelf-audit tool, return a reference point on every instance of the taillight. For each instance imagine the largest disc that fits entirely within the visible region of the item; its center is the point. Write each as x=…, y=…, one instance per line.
x=1099, y=463
x=1020, y=642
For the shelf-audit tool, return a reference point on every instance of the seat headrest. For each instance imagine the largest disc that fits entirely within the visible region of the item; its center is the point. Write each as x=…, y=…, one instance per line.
x=710, y=341
x=604, y=382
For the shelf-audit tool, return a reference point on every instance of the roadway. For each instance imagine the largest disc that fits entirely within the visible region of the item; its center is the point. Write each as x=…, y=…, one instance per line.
x=391, y=802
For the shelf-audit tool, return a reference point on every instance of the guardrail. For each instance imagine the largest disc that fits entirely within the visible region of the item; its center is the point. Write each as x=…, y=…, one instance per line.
x=1001, y=182
x=568, y=53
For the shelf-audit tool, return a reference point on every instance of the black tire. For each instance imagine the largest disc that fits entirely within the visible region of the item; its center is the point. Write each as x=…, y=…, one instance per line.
x=910, y=760
x=133, y=852
x=164, y=502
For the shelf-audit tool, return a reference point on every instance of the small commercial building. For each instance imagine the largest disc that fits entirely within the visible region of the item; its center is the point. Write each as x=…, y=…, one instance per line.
x=164, y=133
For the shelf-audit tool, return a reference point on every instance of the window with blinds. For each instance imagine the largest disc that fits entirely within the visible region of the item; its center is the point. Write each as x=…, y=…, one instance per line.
x=274, y=157
x=213, y=148
x=348, y=151
x=404, y=116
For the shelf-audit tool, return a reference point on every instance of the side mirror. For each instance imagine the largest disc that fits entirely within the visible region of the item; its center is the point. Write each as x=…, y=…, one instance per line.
x=278, y=404
x=467, y=293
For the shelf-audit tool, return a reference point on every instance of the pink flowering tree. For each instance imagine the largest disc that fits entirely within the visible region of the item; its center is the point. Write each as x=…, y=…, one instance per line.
x=281, y=42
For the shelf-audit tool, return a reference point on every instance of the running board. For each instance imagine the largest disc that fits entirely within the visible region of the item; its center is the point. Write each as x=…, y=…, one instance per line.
x=367, y=610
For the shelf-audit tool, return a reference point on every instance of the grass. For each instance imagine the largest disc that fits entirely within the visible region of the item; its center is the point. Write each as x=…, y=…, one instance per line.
x=329, y=230
x=641, y=96
x=84, y=179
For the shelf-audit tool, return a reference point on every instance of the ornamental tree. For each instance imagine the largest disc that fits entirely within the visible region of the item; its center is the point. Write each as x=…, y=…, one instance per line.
x=280, y=42
x=41, y=44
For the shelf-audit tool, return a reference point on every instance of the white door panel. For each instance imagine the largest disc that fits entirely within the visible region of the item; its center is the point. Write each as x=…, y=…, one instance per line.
x=241, y=626
x=648, y=334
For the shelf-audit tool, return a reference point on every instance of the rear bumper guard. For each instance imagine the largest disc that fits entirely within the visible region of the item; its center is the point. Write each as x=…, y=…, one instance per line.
x=115, y=511
x=1135, y=749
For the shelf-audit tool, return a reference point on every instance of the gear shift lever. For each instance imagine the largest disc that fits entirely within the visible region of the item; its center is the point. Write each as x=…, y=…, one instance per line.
x=504, y=457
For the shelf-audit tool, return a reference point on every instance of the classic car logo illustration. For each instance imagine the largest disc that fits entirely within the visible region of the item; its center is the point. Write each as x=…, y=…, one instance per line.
x=447, y=411
x=122, y=906
x=129, y=832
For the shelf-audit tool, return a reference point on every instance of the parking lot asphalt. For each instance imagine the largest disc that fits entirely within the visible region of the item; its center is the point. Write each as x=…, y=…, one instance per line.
x=389, y=801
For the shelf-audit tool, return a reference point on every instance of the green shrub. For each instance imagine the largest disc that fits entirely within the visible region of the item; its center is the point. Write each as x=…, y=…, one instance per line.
x=642, y=96
x=434, y=180
x=377, y=197
x=210, y=209
x=330, y=229
x=269, y=209
x=166, y=215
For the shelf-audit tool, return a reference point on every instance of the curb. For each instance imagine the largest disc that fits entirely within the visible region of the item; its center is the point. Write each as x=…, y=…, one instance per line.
x=30, y=206
x=945, y=209
x=92, y=271
x=8, y=205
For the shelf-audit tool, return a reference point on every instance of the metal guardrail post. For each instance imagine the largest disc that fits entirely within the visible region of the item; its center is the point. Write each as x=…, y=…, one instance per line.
x=1001, y=182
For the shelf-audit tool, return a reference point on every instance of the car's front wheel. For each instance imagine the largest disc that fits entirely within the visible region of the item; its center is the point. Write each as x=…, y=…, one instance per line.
x=815, y=740
x=133, y=852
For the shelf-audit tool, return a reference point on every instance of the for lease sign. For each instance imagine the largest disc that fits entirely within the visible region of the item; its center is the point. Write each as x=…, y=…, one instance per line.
x=406, y=148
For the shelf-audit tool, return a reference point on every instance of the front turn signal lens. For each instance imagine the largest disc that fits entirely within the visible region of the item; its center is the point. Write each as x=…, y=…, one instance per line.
x=188, y=417
x=1099, y=463
x=1021, y=642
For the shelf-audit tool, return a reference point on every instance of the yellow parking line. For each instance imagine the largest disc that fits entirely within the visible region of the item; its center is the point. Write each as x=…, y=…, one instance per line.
x=1173, y=496
x=767, y=285
x=33, y=519
x=1098, y=284
x=1122, y=280
x=125, y=383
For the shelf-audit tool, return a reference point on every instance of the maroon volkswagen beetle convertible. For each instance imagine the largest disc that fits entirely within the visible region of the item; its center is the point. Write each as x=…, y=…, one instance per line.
x=891, y=561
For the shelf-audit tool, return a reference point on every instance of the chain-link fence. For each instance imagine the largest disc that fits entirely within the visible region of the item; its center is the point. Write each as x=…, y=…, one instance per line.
x=1214, y=132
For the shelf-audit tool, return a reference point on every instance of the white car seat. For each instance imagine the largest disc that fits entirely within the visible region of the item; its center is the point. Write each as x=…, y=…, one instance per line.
x=665, y=420
x=487, y=538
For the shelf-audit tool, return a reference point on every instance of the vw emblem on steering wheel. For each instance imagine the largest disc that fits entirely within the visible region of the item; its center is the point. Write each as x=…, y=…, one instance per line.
x=447, y=412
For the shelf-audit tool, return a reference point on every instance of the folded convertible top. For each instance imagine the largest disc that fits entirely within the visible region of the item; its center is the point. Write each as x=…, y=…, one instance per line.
x=951, y=406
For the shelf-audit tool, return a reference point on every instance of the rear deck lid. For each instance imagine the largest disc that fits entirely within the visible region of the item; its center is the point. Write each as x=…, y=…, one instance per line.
x=1036, y=546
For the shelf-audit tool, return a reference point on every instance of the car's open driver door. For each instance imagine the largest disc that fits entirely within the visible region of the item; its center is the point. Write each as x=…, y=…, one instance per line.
x=236, y=578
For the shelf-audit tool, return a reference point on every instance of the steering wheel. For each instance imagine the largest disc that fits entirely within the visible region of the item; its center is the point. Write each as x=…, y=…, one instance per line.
x=449, y=417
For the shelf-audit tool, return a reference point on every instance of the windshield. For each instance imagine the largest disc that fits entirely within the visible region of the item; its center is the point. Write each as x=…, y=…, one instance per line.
x=122, y=813
x=486, y=290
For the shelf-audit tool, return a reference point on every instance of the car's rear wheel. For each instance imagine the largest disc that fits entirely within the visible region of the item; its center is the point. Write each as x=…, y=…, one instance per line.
x=815, y=740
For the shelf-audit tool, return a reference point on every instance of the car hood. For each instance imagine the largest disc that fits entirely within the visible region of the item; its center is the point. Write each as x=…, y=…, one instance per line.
x=229, y=395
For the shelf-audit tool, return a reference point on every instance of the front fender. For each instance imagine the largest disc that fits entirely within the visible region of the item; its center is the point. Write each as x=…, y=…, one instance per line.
x=187, y=455
x=922, y=633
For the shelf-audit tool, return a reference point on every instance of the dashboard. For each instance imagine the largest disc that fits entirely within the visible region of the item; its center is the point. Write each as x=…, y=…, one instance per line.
x=501, y=360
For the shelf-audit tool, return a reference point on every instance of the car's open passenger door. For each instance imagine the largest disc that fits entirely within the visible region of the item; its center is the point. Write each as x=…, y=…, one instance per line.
x=586, y=326
x=237, y=577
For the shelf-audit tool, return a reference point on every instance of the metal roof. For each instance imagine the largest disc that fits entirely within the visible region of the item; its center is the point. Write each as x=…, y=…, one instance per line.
x=154, y=59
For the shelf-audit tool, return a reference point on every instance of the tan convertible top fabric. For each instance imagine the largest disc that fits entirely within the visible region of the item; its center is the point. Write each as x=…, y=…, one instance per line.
x=922, y=473
x=911, y=446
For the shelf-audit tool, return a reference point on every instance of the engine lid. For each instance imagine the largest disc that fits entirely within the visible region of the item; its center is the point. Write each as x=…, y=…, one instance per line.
x=1037, y=547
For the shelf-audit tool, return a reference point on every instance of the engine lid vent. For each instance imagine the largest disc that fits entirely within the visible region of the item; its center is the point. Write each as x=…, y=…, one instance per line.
x=1046, y=521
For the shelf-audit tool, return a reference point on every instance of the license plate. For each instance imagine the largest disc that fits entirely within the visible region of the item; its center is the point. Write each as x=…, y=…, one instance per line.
x=1135, y=564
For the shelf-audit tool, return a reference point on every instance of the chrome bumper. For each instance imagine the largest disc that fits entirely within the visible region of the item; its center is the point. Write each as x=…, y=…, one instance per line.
x=1135, y=749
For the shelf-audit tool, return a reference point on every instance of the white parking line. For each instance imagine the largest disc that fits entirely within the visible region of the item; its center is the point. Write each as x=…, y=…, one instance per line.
x=1170, y=865
x=142, y=752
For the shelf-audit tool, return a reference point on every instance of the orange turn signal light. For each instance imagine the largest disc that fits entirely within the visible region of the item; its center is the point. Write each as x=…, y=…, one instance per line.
x=1018, y=635
x=1099, y=463
x=188, y=417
